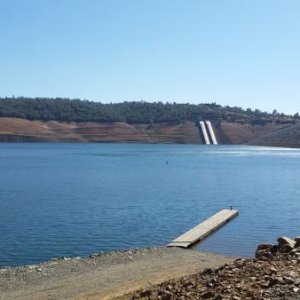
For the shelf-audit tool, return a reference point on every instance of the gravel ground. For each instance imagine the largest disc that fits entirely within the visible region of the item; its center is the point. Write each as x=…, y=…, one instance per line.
x=103, y=276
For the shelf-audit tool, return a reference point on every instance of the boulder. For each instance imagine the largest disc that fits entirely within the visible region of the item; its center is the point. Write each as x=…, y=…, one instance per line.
x=285, y=244
x=263, y=251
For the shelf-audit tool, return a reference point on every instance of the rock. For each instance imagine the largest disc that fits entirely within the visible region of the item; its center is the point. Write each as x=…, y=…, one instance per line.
x=31, y=267
x=274, y=274
x=145, y=293
x=297, y=241
x=60, y=258
x=285, y=244
x=263, y=251
x=293, y=274
x=274, y=281
x=207, y=295
x=280, y=280
x=288, y=280
x=274, y=249
x=3, y=270
x=297, y=282
x=55, y=258
x=97, y=254
x=264, y=247
x=166, y=296
x=207, y=271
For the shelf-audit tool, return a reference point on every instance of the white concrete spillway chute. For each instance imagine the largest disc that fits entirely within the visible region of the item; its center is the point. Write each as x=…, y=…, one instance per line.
x=204, y=132
x=211, y=132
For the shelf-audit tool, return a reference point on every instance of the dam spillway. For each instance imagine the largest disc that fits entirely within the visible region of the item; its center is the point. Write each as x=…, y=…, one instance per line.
x=207, y=133
x=211, y=132
x=204, y=132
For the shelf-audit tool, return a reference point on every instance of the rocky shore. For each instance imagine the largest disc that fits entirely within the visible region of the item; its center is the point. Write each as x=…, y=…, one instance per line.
x=273, y=274
x=161, y=273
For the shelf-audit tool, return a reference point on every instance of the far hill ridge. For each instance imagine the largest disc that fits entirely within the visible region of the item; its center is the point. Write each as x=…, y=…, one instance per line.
x=65, y=120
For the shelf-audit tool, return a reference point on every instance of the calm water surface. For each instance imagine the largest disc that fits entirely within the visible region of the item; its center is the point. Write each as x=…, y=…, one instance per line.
x=75, y=199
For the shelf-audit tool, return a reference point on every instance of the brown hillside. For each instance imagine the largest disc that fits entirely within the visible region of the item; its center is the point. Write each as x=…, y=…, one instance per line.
x=287, y=137
x=20, y=130
x=236, y=133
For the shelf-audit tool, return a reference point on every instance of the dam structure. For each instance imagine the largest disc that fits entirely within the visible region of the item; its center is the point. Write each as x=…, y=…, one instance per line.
x=204, y=132
x=207, y=132
x=211, y=132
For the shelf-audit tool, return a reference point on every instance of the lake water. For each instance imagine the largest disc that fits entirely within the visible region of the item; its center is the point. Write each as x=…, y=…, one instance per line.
x=75, y=199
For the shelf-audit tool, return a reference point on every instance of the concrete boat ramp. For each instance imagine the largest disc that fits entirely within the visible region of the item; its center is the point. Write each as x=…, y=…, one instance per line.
x=204, y=229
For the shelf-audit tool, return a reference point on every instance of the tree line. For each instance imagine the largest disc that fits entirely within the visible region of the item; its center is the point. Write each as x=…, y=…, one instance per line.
x=61, y=109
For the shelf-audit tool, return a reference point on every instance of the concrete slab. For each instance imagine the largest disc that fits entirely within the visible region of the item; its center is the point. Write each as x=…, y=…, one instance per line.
x=204, y=229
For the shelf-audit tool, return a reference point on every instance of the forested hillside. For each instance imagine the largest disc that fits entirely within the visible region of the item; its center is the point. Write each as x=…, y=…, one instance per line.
x=132, y=112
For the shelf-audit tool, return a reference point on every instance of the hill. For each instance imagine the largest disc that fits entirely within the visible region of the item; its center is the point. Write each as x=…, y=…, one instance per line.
x=286, y=137
x=65, y=120
x=21, y=130
x=186, y=132
x=67, y=110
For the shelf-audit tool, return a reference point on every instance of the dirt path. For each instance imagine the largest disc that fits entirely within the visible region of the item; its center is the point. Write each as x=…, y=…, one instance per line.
x=103, y=276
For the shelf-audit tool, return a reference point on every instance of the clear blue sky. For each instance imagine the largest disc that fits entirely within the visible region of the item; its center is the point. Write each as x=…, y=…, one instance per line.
x=235, y=52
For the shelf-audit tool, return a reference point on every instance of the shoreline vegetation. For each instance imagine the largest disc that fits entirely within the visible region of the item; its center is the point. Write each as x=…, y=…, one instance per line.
x=66, y=121
x=161, y=273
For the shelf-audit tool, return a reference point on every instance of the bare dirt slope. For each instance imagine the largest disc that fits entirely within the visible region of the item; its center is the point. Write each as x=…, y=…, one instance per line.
x=103, y=276
x=21, y=130
x=286, y=137
x=236, y=133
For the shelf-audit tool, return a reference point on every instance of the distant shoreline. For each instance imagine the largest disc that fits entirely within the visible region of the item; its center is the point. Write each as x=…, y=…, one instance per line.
x=22, y=130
